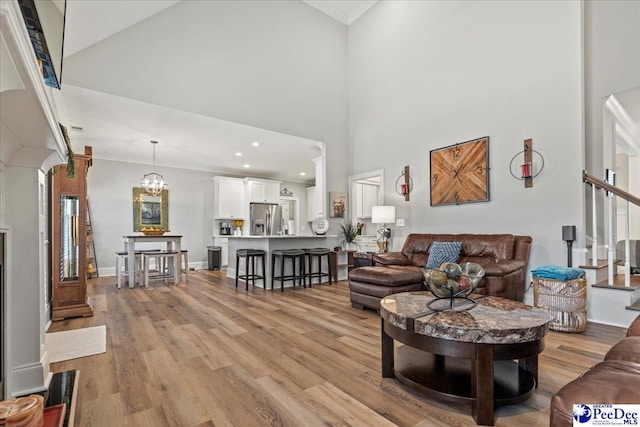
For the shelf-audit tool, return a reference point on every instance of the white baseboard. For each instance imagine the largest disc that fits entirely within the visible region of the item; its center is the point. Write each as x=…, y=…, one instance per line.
x=28, y=379
x=107, y=271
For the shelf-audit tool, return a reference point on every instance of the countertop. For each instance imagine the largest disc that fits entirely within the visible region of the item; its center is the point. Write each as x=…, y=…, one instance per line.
x=493, y=320
x=281, y=237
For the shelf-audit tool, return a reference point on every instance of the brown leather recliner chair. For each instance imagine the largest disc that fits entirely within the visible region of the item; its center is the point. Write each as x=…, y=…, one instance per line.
x=616, y=380
x=504, y=258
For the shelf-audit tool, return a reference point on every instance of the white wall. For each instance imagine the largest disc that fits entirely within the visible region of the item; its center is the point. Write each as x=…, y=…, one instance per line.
x=634, y=188
x=424, y=75
x=110, y=190
x=26, y=364
x=110, y=187
x=611, y=65
x=299, y=192
x=3, y=192
x=275, y=65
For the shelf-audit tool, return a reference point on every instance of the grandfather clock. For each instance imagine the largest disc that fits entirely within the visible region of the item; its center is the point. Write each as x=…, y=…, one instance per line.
x=69, y=240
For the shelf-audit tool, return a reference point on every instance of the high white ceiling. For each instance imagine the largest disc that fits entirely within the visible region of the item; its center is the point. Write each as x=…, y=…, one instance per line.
x=116, y=126
x=88, y=22
x=345, y=11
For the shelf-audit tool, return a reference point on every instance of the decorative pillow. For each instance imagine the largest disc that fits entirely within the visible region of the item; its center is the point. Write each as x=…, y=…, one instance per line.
x=443, y=252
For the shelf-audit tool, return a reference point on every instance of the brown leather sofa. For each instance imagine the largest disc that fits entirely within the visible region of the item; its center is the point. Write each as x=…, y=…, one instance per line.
x=616, y=380
x=504, y=258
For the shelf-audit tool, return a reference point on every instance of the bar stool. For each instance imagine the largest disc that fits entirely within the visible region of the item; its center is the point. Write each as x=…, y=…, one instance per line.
x=122, y=266
x=293, y=255
x=318, y=253
x=161, y=257
x=250, y=256
x=184, y=264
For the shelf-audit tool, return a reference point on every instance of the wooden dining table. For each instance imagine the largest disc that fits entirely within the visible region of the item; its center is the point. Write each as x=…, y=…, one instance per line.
x=172, y=241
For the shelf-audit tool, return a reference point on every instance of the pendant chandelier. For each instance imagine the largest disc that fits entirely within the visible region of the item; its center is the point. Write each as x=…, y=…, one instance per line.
x=153, y=183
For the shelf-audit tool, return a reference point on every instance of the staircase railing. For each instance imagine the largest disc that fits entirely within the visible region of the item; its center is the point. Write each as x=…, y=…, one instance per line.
x=612, y=191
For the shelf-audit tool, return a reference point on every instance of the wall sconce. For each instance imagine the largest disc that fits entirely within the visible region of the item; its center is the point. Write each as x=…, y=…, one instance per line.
x=528, y=169
x=404, y=184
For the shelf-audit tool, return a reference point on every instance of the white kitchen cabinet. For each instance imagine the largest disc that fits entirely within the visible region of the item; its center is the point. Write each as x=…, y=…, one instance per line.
x=262, y=190
x=367, y=243
x=228, y=198
x=366, y=198
x=223, y=242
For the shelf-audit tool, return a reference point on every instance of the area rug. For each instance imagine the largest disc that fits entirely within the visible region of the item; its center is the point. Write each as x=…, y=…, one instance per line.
x=76, y=343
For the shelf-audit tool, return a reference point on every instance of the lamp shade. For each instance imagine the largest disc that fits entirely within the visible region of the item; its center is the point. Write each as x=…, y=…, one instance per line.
x=383, y=214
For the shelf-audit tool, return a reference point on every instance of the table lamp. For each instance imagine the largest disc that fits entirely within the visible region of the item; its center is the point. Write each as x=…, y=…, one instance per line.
x=383, y=215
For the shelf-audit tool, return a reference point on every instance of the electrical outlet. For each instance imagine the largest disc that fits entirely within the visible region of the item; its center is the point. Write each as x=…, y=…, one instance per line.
x=400, y=222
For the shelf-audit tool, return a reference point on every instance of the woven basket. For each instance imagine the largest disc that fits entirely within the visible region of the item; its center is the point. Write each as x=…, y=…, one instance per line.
x=565, y=301
x=153, y=232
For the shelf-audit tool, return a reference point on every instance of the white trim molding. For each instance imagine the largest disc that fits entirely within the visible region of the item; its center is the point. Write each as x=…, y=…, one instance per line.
x=25, y=376
x=626, y=129
x=18, y=46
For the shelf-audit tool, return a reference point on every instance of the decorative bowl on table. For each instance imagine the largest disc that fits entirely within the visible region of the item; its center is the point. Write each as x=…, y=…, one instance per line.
x=452, y=280
x=153, y=231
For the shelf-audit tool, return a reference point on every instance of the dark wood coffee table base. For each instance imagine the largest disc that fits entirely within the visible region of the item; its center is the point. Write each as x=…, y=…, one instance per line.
x=481, y=375
x=449, y=379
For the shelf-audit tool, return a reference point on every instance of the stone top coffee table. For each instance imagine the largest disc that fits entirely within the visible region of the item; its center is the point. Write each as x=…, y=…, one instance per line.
x=464, y=356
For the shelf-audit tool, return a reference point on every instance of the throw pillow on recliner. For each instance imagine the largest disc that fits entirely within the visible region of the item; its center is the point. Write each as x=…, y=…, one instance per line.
x=440, y=252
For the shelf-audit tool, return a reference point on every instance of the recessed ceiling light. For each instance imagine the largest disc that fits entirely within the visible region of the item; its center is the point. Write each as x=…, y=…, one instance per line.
x=238, y=154
x=303, y=173
x=255, y=143
x=246, y=165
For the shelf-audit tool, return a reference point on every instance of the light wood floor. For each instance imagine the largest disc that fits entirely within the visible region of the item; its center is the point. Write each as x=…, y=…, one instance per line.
x=204, y=354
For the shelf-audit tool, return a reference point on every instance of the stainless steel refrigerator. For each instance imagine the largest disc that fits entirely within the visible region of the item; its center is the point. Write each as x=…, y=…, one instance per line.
x=266, y=219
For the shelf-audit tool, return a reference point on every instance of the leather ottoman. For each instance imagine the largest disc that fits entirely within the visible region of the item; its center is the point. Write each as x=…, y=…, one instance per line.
x=368, y=285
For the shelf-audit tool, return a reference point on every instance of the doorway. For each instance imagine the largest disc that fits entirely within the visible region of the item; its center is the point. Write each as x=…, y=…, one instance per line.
x=365, y=190
x=290, y=215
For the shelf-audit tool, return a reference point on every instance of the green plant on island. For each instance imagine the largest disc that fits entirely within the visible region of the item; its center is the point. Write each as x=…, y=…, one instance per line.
x=348, y=233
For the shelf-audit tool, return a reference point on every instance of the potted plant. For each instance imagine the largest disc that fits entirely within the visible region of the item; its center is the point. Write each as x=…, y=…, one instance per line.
x=347, y=237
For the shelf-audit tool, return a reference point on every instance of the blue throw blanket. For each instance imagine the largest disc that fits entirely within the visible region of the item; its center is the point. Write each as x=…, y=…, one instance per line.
x=558, y=273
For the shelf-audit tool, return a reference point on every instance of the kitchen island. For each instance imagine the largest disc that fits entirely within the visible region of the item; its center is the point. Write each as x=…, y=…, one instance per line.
x=270, y=243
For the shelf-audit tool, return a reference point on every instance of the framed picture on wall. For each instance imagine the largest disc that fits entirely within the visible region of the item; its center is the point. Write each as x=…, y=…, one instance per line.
x=337, y=204
x=150, y=210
